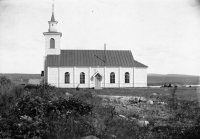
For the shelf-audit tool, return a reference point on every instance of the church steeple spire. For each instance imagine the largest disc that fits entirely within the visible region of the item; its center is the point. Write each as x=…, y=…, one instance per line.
x=52, y=17
x=52, y=23
x=53, y=7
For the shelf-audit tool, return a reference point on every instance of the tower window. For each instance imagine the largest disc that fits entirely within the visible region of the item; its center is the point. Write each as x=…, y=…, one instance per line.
x=52, y=43
x=127, y=77
x=112, y=77
x=82, y=78
x=67, y=75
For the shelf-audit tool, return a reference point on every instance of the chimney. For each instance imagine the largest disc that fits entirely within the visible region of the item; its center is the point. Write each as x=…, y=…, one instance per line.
x=104, y=46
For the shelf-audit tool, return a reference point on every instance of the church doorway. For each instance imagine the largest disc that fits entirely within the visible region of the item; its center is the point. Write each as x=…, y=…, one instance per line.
x=98, y=81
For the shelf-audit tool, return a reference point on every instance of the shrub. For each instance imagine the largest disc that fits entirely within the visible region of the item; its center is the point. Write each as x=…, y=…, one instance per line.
x=9, y=93
x=36, y=116
x=5, y=85
x=44, y=112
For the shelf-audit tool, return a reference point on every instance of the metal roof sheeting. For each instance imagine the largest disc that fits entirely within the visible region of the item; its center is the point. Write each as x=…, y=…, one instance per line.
x=138, y=64
x=112, y=58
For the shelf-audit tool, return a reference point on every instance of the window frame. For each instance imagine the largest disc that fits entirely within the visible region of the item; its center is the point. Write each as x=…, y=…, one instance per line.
x=112, y=77
x=67, y=77
x=127, y=77
x=82, y=78
x=52, y=43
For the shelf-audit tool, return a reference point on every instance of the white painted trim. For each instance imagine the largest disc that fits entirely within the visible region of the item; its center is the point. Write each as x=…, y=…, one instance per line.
x=119, y=75
x=58, y=77
x=133, y=77
x=47, y=74
x=140, y=67
x=74, y=70
x=44, y=70
x=104, y=77
x=89, y=77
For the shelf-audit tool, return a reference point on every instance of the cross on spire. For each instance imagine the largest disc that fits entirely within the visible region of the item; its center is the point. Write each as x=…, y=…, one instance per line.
x=52, y=17
x=53, y=6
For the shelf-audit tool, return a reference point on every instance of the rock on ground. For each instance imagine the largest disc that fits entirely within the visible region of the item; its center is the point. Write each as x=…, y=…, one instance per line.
x=143, y=123
x=90, y=137
x=150, y=102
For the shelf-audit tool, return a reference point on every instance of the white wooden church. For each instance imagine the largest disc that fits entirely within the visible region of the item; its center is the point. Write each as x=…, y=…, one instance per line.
x=89, y=68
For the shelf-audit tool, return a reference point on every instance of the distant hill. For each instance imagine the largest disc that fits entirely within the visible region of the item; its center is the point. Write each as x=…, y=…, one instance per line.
x=160, y=79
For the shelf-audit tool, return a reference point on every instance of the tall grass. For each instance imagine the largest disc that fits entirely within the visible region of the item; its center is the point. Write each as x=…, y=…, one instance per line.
x=45, y=112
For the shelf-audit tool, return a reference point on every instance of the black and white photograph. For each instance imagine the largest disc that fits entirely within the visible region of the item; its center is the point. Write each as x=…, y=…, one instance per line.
x=99, y=69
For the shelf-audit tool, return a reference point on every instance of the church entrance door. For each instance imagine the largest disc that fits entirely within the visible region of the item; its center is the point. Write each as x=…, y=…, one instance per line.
x=98, y=81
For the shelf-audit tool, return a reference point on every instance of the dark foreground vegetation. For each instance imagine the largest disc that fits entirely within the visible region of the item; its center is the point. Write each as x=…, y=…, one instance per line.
x=45, y=112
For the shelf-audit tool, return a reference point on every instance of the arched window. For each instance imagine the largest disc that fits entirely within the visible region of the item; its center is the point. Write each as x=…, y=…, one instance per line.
x=67, y=77
x=82, y=78
x=52, y=43
x=112, y=77
x=127, y=77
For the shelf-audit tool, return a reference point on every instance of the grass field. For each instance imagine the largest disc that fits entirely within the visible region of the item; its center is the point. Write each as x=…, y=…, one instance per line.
x=105, y=113
x=174, y=120
x=188, y=93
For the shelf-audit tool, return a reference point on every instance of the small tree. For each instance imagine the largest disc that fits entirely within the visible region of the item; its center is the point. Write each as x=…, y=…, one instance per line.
x=4, y=82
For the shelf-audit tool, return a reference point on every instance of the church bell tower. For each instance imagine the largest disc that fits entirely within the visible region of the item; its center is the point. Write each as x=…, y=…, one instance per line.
x=52, y=37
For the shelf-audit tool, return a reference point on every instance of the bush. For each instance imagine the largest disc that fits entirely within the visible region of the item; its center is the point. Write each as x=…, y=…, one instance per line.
x=9, y=93
x=42, y=111
x=36, y=116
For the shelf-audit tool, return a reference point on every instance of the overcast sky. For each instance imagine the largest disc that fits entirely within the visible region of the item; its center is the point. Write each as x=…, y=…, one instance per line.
x=162, y=34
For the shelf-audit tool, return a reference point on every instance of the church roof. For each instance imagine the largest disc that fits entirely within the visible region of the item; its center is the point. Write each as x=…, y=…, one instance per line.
x=138, y=64
x=113, y=58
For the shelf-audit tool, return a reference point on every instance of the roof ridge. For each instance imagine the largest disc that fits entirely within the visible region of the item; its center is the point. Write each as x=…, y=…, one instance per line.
x=90, y=50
